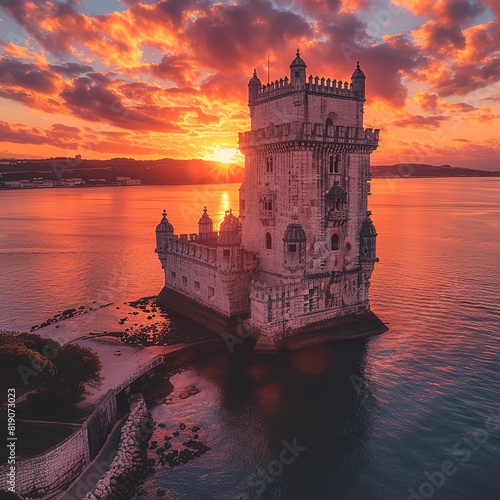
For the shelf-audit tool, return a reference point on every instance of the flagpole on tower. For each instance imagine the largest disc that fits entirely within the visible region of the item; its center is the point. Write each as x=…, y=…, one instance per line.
x=268, y=68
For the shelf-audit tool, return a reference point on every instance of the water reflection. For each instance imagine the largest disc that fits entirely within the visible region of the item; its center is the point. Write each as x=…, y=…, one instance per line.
x=316, y=398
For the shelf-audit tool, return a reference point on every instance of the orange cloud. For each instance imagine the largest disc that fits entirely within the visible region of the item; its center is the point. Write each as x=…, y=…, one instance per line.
x=431, y=102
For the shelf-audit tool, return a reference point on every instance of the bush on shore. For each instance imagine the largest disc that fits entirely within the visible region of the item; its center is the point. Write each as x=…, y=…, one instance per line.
x=30, y=361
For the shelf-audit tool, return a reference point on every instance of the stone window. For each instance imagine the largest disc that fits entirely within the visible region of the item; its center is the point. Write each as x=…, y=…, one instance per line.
x=184, y=280
x=172, y=274
x=211, y=291
x=226, y=252
x=292, y=248
x=269, y=241
x=269, y=165
x=335, y=242
x=297, y=74
x=334, y=164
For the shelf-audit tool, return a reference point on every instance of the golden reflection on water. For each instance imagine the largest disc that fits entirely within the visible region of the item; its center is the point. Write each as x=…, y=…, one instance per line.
x=224, y=206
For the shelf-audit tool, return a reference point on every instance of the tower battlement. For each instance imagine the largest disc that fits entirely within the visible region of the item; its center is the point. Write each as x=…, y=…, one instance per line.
x=315, y=84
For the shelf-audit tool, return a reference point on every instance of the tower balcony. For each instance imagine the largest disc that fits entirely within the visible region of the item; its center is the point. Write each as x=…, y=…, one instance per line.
x=267, y=217
x=337, y=217
x=344, y=138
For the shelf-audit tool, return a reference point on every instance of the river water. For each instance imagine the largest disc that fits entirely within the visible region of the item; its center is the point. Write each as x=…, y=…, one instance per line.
x=413, y=413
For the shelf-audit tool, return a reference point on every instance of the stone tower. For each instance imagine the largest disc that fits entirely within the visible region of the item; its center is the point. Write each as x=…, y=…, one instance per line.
x=303, y=203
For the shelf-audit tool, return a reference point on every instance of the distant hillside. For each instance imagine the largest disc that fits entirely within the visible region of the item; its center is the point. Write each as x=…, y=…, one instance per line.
x=422, y=170
x=164, y=171
x=170, y=171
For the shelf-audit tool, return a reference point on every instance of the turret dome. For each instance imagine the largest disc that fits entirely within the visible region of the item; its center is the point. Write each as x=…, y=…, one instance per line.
x=230, y=227
x=205, y=220
x=255, y=79
x=164, y=226
x=294, y=233
x=357, y=72
x=298, y=61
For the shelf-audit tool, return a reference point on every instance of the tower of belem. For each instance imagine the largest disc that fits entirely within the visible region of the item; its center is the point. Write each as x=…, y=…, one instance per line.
x=295, y=266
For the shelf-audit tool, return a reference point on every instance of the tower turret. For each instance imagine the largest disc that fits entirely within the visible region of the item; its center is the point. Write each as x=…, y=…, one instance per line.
x=254, y=85
x=205, y=228
x=229, y=243
x=358, y=82
x=367, y=237
x=294, y=241
x=164, y=230
x=298, y=71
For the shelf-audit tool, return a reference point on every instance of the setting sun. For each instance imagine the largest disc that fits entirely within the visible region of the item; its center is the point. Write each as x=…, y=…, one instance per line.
x=224, y=155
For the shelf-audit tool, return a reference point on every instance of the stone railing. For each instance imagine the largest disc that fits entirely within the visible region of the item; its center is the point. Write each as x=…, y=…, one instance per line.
x=310, y=132
x=198, y=251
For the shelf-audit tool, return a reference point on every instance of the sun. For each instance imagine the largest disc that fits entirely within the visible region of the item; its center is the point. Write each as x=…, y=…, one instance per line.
x=224, y=155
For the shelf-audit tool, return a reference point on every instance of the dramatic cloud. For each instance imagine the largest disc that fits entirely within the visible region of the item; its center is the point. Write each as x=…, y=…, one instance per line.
x=176, y=71
x=431, y=102
x=421, y=122
x=26, y=75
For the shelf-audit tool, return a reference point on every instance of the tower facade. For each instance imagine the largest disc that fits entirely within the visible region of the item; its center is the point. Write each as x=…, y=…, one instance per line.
x=303, y=204
x=294, y=267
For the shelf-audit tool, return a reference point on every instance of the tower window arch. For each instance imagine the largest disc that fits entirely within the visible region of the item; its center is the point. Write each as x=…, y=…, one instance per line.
x=269, y=165
x=269, y=241
x=334, y=164
x=334, y=242
x=328, y=126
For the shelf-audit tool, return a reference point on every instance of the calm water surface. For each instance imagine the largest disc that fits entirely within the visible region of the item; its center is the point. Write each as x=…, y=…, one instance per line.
x=379, y=419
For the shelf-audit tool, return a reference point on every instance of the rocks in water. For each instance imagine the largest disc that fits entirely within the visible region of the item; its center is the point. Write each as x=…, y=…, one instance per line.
x=160, y=492
x=66, y=314
x=195, y=428
x=174, y=453
x=190, y=391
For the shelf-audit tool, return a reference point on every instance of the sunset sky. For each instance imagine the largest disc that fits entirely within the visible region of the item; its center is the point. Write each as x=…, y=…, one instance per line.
x=151, y=79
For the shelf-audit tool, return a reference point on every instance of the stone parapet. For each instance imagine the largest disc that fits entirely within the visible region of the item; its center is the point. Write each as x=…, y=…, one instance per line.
x=307, y=131
x=314, y=84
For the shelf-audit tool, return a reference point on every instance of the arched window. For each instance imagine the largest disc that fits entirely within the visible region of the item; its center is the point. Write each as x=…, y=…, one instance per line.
x=336, y=165
x=328, y=126
x=332, y=164
x=269, y=241
x=335, y=242
x=269, y=165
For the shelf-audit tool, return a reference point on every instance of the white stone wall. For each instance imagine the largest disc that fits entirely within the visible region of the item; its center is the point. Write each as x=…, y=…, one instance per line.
x=199, y=276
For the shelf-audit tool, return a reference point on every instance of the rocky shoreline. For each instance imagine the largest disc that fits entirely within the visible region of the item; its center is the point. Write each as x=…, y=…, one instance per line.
x=129, y=465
